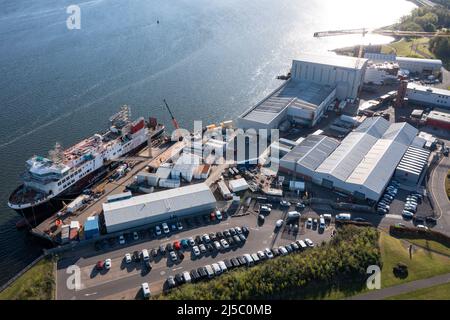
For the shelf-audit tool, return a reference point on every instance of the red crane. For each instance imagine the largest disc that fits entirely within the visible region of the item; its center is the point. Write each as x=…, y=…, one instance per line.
x=174, y=121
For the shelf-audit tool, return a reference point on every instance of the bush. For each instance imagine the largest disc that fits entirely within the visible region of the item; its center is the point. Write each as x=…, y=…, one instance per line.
x=343, y=260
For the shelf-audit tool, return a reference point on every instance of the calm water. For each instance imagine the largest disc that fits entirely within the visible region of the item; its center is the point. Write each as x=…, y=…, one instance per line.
x=209, y=59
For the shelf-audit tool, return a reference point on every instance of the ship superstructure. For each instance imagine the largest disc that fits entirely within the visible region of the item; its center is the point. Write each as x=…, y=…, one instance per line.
x=69, y=171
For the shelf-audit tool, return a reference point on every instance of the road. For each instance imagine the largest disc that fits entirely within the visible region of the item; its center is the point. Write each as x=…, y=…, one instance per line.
x=437, y=190
x=123, y=281
x=403, y=288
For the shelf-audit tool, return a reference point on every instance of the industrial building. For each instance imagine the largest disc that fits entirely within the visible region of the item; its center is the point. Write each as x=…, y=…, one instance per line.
x=412, y=166
x=299, y=101
x=381, y=73
x=413, y=65
x=157, y=207
x=439, y=119
x=346, y=74
x=428, y=96
x=316, y=81
x=361, y=165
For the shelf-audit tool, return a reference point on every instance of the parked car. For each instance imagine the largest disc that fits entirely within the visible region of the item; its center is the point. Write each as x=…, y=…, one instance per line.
x=217, y=245
x=407, y=214
x=282, y=250
x=136, y=256
x=261, y=218
x=228, y=264
x=100, y=265
x=421, y=226
x=162, y=250
x=242, y=237
x=216, y=268
x=268, y=253
x=285, y=203
x=235, y=262
x=171, y=282
x=128, y=258
x=206, y=238
x=219, y=215
x=158, y=230
x=309, y=242
x=186, y=277
x=173, y=256
x=302, y=244
x=145, y=290
x=202, y=248
x=224, y=244
x=145, y=255
x=121, y=239
x=309, y=223
x=222, y=266
x=108, y=264
x=279, y=223
x=165, y=228
x=245, y=230
x=148, y=265
x=196, y=251
x=295, y=246
x=135, y=236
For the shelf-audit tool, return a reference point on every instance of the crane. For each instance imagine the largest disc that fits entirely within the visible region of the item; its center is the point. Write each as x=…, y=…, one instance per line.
x=174, y=121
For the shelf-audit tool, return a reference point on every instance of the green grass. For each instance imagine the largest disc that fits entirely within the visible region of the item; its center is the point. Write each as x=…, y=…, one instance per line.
x=406, y=48
x=424, y=264
x=431, y=245
x=35, y=284
x=440, y=292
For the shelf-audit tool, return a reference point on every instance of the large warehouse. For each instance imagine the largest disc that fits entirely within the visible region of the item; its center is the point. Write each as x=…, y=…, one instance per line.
x=428, y=96
x=361, y=165
x=315, y=82
x=299, y=101
x=157, y=207
x=346, y=74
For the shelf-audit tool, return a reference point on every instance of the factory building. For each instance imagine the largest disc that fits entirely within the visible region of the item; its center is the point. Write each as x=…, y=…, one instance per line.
x=158, y=207
x=434, y=97
x=316, y=81
x=381, y=73
x=361, y=165
x=304, y=159
x=439, y=119
x=413, y=65
x=412, y=166
x=298, y=101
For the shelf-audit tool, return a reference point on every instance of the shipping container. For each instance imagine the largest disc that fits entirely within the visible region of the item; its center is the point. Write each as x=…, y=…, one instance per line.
x=91, y=228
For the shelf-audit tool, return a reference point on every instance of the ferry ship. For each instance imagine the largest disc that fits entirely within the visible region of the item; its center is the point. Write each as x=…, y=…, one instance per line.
x=66, y=173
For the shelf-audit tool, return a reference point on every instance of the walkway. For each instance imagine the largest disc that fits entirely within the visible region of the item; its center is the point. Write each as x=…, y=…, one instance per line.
x=403, y=288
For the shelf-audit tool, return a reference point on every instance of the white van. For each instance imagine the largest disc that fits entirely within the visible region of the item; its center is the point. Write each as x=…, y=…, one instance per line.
x=216, y=268
x=145, y=290
x=293, y=214
x=322, y=223
x=222, y=266
x=343, y=216
x=209, y=271
x=249, y=259
x=145, y=255
x=187, y=277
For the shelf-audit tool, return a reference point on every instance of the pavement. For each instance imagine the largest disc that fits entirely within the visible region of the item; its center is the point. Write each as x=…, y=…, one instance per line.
x=436, y=185
x=123, y=281
x=403, y=288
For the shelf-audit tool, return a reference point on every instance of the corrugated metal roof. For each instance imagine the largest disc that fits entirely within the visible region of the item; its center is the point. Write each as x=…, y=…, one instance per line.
x=333, y=60
x=378, y=165
x=375, y=126
x=420, y=60
x=157, y=203
x=299, y=94
x=312, y=151
x=439, y=115
x=414, y=160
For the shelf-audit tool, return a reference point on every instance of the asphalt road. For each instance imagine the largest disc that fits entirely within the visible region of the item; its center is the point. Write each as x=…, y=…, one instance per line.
x=437, y=189
x=124, y=280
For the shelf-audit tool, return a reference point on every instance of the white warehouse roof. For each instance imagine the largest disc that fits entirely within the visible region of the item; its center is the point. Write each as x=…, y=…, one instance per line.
x=312, y=151
x=140, y=209
x=333, y=60
x=378, y=165
x=418, y=87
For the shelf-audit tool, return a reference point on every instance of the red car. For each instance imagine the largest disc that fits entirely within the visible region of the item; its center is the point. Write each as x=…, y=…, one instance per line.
x=100, y=265
x=177, y=245
x=212, y=216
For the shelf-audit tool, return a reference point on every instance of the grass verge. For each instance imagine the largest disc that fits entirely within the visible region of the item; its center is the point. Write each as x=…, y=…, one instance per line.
x=440, y=292
x=424, y=264
x=38, y=283
x=414, y=48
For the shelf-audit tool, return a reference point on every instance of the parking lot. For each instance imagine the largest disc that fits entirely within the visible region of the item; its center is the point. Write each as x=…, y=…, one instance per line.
x=123, y=280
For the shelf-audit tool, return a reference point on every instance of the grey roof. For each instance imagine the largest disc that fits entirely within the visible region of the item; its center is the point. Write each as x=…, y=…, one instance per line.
x=157, y=203
x=439, y=115
x=375, y=126
x=418, y=87
x=414, y=160
x=420, y=60
x=378, y=165
x=312, y=151
x=299, y=94
x=333, y=60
